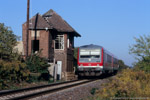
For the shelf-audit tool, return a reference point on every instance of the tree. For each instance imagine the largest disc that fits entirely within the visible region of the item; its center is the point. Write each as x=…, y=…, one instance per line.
x=141, y=50
x=122, y=65
x=12, y=70
x=142, y=47
x=7, y=42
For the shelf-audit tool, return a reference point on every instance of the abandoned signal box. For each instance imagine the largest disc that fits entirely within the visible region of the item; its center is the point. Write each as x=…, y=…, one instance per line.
x=54, y=37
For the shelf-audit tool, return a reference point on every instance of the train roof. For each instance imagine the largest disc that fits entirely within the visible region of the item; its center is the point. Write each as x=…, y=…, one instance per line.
x=92, y=46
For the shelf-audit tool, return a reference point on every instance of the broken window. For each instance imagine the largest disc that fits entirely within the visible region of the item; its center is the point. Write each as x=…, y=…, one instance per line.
x=59, y=42
x=35, y=46
x=70, y=41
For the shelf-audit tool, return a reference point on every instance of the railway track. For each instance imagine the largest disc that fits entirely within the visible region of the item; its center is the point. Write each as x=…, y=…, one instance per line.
x=28, y=93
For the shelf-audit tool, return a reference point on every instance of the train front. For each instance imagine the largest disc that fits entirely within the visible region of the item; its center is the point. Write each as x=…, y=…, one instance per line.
x=90, y=60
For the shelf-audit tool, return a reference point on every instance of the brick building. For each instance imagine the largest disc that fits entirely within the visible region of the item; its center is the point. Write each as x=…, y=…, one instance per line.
x=54, y=37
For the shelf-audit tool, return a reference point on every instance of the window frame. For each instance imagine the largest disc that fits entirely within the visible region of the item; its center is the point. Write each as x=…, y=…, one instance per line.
x=59, y=35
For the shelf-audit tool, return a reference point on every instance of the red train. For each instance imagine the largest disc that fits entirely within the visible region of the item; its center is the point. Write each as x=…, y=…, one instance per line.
x=94, y=60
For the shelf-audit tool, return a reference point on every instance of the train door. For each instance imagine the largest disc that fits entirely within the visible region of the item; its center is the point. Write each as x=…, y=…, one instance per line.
x=59, y=70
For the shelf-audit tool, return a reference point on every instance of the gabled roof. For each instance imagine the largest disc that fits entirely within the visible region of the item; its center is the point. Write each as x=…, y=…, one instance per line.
x=58, y=23
x=51, y=20
x=38, y=22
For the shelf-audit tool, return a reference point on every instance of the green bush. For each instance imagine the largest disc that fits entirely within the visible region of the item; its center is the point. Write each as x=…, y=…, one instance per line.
x=143, y=65
x=93, y=91
x=37, y=64
x=12, y=72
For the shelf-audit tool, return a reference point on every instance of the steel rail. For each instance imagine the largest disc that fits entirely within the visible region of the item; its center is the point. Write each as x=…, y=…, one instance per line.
x=29, y=96
x=3, y=93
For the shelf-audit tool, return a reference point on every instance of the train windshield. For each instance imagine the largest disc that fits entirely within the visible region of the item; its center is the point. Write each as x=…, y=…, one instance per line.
x=91, y=55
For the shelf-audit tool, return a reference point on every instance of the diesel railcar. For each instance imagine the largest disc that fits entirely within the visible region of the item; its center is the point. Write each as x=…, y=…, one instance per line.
x=94, y=60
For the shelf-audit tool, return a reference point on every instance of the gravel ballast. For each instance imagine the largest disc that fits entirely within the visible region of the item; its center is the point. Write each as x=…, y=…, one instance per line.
x=74, y=93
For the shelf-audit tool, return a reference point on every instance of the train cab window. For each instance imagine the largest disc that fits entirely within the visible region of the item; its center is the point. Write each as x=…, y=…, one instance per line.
x=90, y=56
x=90, y=53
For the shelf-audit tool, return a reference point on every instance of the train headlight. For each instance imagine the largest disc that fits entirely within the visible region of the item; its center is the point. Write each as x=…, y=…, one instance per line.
x=101, y=66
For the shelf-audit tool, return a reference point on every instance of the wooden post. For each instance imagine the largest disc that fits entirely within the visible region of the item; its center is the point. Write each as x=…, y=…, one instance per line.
x=27, y=28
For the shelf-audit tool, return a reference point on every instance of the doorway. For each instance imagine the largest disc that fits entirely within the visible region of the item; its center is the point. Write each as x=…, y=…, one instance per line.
x=59, y=70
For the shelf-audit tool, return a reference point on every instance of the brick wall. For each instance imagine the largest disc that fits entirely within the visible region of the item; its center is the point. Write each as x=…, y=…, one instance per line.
x=43, y=41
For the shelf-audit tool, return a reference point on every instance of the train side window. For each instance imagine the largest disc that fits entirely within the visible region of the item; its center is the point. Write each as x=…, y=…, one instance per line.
x=109, y=58
x=115, y=61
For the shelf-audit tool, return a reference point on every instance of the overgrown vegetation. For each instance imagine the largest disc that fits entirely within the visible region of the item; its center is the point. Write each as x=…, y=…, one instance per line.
x=129, y=83
x=13, y=69
x=12, y=72
x=7, y=42
x=38, y=67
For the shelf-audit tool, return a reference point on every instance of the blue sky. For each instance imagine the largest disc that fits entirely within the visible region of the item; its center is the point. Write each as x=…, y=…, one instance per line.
x=109, y=23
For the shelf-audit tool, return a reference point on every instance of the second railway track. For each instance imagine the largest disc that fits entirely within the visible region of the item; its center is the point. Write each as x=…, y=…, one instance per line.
x=28, y=93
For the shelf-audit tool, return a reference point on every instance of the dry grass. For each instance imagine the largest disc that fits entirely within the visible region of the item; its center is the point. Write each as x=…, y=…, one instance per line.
x=129, y=83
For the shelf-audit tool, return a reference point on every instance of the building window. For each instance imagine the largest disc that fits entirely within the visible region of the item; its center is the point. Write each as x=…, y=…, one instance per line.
x=35, y=46
x=59, y=42
x=70, y=41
